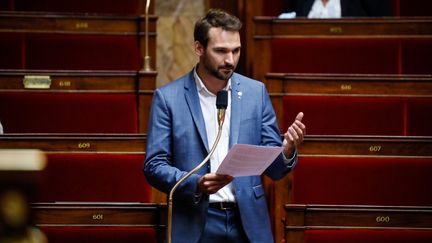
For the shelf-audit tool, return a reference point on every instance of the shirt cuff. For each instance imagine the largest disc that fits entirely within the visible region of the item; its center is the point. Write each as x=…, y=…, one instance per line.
x=291, y=161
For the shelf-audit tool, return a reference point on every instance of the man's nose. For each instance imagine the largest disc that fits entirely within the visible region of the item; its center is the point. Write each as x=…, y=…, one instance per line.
x=229, y=58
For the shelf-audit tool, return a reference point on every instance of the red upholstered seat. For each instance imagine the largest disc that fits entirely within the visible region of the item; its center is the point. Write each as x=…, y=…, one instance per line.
x=363, y=181
x=419, y=116
x=415, y=7
x=369, y=236
x=80, y=6
x=51, y=112
x=82, y=52
x=335, y=55
x=347, y=115
x=94, y=178
x=100, y=234
x=416, y=55
x=11, y=50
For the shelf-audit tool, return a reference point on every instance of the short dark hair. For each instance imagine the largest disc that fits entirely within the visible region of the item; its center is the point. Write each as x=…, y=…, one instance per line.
x=215, y=18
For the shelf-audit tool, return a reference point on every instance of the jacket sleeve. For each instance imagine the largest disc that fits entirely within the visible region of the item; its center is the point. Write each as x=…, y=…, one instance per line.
x=271, y=136
x=158, y=166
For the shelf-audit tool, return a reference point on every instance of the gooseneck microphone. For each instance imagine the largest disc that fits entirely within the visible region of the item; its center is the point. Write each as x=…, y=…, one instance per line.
x=221, y=105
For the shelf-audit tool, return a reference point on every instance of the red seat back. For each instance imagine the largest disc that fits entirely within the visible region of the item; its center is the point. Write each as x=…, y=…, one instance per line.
x=365, y=235
x=94, y=178
x=74, y=234
x=419, y=116
x=130, y=7
x=335, y=55
x=82, y=52
x=364, y=181
x=346, y=115
x=50, y=112
x=12, y=50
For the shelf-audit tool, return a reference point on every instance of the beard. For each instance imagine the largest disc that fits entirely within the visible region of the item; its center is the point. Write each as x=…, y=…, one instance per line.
x=223, y=72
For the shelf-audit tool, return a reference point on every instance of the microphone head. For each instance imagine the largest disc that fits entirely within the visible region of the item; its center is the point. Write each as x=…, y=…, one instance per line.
x=222, y=99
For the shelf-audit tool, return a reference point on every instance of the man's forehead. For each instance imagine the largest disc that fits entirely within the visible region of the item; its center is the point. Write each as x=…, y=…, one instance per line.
x=224, y=38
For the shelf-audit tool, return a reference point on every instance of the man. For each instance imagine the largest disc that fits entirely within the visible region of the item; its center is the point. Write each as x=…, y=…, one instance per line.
x=208, y=207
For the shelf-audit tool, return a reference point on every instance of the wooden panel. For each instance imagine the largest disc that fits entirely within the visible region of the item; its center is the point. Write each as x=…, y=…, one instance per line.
x=82, y=24
x=299, y=218
x=129, y=7
x=82, y=143
x=367, y=84
x=74, y=23
x=269, y=27
x=366, y=146
x=99, y=214
x=378, y=31
x=337, y=146
x=141, y=83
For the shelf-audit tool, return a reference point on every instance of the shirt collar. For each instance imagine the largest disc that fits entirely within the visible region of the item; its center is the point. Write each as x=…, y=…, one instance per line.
x=202, y=88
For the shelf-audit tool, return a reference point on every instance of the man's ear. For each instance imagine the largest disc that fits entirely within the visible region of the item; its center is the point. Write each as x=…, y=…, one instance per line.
x=199, y=48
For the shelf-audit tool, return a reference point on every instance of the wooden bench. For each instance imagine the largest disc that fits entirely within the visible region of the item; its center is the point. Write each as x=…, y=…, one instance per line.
x=75, y=41
x=379, y=46
x=55, y=101
x=128, y=7
x=92, y=188
x=357, y=223
x=100, y=222
x=358, y=148
x=353, y=104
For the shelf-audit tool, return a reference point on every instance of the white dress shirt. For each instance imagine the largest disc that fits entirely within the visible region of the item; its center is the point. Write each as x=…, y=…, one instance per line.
x=331, y=10
x=208, y=108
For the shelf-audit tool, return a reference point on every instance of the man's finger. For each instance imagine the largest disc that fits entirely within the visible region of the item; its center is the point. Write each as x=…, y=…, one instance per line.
x=299, y=116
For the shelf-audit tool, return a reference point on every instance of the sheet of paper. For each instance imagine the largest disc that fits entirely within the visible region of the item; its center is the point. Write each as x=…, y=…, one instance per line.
x=247, y=160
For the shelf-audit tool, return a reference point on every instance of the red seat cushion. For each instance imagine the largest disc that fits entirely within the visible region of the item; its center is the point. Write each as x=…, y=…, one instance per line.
x=416, y=56
x=100, y=234
x=95, y=178
x=131, y=7
x=369, y=236
x=335, y=55
x=419, y=116
x=346, y=115
x=11, y=48
x=364, y=181
x=51, y=112
x=415, y=8
x=83, y=52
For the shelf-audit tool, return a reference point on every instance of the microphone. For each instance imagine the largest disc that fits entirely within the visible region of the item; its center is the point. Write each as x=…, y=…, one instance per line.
x=221, y=105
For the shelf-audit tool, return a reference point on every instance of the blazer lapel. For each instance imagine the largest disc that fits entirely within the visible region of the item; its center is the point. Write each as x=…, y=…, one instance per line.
x=236, y=103
x=192, y=99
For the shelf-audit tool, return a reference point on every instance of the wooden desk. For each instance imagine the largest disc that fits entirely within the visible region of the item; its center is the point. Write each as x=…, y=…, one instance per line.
x=268, y=28
x=81, y=24
x=83, y=81
x=299, y=218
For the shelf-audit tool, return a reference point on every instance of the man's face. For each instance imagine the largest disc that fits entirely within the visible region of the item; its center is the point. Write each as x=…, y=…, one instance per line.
x=222, y=54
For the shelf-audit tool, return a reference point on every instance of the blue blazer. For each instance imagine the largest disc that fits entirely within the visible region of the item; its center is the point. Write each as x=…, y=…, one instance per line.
x=177, y=142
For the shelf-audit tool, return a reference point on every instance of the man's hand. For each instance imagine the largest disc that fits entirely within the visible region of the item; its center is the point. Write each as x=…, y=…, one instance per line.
x=211, y=183
x=294, y=136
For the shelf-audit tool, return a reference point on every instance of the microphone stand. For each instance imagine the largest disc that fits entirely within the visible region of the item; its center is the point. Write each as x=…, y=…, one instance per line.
x=221, y=119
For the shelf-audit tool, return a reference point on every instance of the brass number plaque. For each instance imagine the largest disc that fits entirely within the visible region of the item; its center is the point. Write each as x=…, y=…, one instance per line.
x=382, y=219
x=83, y=145
x=98, y=216
x=375, y=148
x=81, y=25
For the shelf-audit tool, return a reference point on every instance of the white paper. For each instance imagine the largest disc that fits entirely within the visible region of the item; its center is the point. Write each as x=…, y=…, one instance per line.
x=248, y=160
